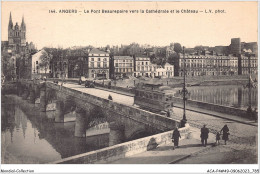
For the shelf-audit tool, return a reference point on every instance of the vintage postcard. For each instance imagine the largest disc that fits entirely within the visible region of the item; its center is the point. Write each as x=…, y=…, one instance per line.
x=129, y=83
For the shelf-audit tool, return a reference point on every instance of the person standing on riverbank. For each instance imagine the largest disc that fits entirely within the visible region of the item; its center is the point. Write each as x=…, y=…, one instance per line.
x=255, y=115
x=217, y=138
x=204, y=135
x=225, y=133
x=176, y=136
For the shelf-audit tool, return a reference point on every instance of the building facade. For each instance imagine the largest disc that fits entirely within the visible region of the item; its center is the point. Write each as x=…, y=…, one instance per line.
x=208, y=65
x=144, y=67
x=37, y=70
x=245, y=65
x=169, y=70
x=123, y=66
x=98, y=64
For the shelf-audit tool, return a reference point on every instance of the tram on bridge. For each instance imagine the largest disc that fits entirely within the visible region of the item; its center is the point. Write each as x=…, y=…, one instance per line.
x=154, y=97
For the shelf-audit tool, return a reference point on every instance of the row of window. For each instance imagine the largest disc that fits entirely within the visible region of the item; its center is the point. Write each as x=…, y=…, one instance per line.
x=98, y=65
x=214, y=73
x=123, y=60
x=210, y=69
x=142, y=63
x=148, y=95
x=123, y=64
x=123, y=70
x=207, y=61
x=251, y=61
x=92, y=59
x=17, y=33
x=199, y=66
x=99, y=54
x=251, y=65
x=213, y=57
x=145, y=68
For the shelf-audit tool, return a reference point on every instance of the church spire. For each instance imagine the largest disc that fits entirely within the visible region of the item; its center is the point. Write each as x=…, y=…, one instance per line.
x=23, y=24
x=10, y=26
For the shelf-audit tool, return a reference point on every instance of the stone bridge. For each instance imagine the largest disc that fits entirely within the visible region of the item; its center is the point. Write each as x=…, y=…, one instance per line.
x=125, y=121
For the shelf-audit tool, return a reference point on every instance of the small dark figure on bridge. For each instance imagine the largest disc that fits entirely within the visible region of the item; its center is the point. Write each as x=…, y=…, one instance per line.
x=225, y=133
x=109, y=85
x=175, y=136
x=255, y=114
x=249, y=112
x=217, y=138
x=204, y=135
x=168, y=114
x=110, y=97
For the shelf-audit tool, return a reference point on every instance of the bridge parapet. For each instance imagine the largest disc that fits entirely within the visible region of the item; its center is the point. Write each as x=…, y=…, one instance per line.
x=122, y=150
x=150, y=119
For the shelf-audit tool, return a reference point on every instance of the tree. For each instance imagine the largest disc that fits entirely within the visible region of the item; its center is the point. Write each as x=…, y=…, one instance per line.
x=199, y=48
x=6, y=64
x=172, y=59
x=44, y=61
x=177, y=48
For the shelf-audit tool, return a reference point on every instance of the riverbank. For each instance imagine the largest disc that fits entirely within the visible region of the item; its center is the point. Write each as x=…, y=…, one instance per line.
x=191, y=81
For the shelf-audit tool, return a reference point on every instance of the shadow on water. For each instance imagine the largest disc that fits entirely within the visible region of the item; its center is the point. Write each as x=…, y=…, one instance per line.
x=42, y=140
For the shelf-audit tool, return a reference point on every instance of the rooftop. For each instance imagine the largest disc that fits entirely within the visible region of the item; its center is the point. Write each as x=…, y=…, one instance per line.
x=123, y=57
x=142, y=58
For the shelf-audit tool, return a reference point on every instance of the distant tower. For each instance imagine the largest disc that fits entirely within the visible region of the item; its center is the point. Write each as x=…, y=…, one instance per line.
x=10, y=30
x=235, y=46
x=16, y=34
x=23, y=33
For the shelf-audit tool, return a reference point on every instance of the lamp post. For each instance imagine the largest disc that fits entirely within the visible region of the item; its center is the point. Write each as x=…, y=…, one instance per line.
x=103, y=77
x=184, y=92
x=249, y=109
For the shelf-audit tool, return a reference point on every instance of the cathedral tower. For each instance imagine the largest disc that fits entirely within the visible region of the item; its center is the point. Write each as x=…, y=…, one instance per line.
x=23, y=33
x=10, y=30
x=16, y=34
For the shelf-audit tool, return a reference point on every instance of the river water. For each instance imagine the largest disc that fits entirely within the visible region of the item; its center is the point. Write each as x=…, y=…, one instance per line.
x=28, y=136
x=32, y=137
x=227, y=95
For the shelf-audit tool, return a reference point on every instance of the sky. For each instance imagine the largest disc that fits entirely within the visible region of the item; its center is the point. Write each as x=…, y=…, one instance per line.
x=98, y=29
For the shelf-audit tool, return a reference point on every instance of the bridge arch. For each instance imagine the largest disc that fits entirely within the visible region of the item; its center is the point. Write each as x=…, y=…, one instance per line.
x=139, y=134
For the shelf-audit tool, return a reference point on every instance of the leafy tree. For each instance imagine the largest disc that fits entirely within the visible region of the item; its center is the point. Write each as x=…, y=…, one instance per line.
x=172, y=59
x=177, y=47
x=152, y=58
x=199, y=48
x=44, y=61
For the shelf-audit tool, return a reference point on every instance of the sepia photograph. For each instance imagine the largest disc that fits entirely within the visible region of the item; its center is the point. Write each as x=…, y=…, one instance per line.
x=129, y=83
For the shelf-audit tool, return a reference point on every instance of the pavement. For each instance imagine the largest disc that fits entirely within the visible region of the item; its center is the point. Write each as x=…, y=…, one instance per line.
x=115, y=91
x=117, y=97
x=220, y=115
x=164, y=154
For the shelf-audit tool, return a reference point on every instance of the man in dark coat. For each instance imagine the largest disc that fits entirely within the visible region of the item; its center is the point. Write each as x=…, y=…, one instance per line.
x=255, y=115
x=204, y=135
x=175, y=136
x=225, y=130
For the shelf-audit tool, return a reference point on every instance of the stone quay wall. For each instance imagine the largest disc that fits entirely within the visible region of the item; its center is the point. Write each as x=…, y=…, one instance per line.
x=213, y=107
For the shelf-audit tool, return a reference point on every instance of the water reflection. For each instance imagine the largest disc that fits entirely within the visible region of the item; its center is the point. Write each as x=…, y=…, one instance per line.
x=28, y=136
x=227, y=95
